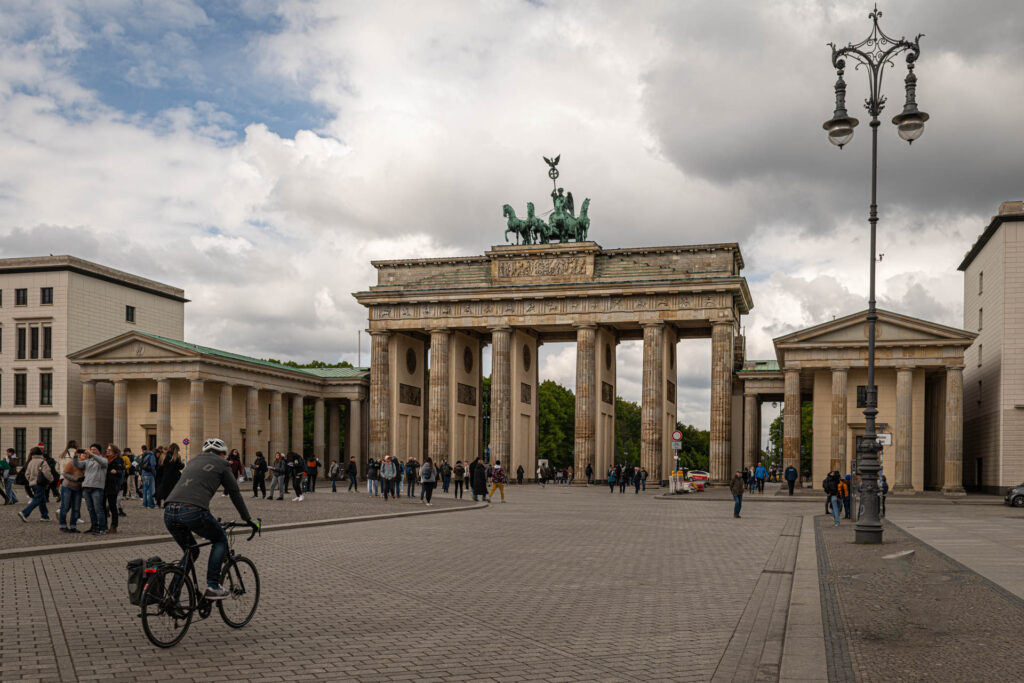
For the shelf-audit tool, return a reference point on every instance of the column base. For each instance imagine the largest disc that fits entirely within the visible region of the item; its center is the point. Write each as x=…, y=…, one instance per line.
x=904, y=491
x=954, y=492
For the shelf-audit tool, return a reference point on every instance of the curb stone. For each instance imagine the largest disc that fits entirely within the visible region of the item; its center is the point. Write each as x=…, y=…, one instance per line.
x=149, y=540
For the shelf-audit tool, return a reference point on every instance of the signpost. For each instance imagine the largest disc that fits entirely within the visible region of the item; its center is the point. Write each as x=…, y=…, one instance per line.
x=186, y=442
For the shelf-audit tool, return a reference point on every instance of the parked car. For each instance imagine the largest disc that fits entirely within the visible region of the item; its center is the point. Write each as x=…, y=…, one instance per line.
x=699, y=475
x=1015, y=497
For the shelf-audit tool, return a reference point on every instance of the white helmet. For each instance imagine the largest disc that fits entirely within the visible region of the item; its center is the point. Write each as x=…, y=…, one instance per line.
x=215, y=446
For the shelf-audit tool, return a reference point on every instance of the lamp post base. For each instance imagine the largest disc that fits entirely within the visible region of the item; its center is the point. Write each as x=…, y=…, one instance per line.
x=870, y=535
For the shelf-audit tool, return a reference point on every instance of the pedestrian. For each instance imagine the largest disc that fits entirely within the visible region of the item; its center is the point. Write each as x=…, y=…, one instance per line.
x=428, y=479
x=259, y=475
x=737, y=488
x=478, y=478
x=590, y=474
x=388, y=475
x=54, y=486
x=312, y=468
x=458, y=476
x=95, y=466
x=158, y=474
x=373, y=478
x=333, y=472
x=147, y=471
x=170, y=472
x=112, y=485
x=411, y=470
x=751, y=481
x=131, y=487
x=446, y=475
x=883, y=488
x=643, y=478
x=611, y=479
x=791, y=475
x=844, y=495
x=298, y=470
x=759, y=475
x=623, y=477
x=70, y=493
x=520, y=474
x=636, y=482
x=571, y=472
x=278, y=471
x=832, y=491
x=39, y=474
x=498, y=480
x=352, y=471
x=7, y=473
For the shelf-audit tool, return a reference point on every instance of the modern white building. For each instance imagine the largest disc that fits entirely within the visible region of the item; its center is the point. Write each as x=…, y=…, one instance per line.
x=51, y=306
x=994, y=373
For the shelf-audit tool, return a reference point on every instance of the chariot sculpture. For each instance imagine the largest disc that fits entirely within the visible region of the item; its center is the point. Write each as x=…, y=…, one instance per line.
x=563, y=223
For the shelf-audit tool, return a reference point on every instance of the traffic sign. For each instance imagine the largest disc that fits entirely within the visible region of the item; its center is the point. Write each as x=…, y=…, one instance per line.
x=677, y=446
x=884, y=439
x=186, y=441
x=677, y=435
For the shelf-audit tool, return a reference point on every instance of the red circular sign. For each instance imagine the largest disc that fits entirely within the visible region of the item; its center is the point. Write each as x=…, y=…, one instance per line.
x=677, y=435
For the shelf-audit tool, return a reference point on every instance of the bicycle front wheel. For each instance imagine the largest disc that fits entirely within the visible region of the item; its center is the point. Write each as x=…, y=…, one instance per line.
x=242, y=582
x=168, y=603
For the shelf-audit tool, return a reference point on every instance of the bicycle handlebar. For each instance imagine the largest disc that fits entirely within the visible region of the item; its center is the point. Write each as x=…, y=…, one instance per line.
x=257, y=530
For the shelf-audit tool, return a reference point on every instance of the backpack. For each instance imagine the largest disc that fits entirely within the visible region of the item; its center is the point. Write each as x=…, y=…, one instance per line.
x=311, y=464
x=146, y=464
x=20, y=479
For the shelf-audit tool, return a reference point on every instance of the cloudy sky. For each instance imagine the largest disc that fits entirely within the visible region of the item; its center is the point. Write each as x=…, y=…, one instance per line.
x=260, y=154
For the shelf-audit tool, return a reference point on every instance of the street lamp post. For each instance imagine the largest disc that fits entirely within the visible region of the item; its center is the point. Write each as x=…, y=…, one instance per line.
x=874, y=53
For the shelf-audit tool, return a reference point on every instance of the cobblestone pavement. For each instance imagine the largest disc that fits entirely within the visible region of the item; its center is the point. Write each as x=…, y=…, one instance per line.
x=558, y=584
x=921, y=618
x=143, y=522
x=988, y=540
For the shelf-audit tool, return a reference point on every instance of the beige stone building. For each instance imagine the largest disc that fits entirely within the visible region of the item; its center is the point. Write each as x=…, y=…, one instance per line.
x=49, y=307
x=994, y=372
x=919, y=374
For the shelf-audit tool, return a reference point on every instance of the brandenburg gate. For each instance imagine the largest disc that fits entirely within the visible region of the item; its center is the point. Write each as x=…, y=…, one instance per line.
x=515, y=297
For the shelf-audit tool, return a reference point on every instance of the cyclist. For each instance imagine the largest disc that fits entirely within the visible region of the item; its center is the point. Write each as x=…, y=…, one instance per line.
x=187, y=509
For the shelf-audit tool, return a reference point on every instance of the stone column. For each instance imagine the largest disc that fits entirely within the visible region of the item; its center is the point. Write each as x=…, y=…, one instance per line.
x=501, y=394
x=380, y=395
x=652, y=401
x=751, y=430
x=586, y=401
x=252, y=424
x=952, y=483
x=88, y=414
x=355, y=431
x=333, y=433
x=276, y=427
x=196, y=411
x=298, y=419
x=227, y=418
x=721, y=400
x=439, y=436
x=318, y=429
x=791, y=421
x=163, y=412
x=837, y=448
x=904, y=436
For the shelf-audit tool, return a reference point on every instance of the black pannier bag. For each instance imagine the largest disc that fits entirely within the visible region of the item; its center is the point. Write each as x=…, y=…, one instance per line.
x=138, y=576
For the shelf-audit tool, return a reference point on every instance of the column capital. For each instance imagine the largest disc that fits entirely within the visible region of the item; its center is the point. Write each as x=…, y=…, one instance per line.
x=653, y=323
x=585, y=326
x=501, y=328
x=723, y=323
x=905, y=368
x=378, y=333
x=954, y=368
x=839, y=369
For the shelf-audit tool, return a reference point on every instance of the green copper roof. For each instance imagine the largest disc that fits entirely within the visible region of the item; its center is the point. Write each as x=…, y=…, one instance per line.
x=329, y=373
x=760, y=366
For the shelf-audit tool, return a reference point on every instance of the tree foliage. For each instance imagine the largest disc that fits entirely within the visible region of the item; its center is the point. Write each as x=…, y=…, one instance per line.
x=556, y=415
x=776, y=433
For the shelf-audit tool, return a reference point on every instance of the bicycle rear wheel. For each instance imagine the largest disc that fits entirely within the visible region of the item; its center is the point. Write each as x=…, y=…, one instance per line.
x=242, y=581
x=168, y=603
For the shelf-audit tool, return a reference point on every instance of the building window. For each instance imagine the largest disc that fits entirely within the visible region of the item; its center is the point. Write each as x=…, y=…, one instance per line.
x=19, y=444
x=981, y=317
x=981, y=349
x=46, y=388
x=46, y=438
x=20, y=388
x=129, y=314
x=22, y=342
x=981, y=282
x=152, y=403
x=33, y=344
x=47, y=341
x=21, y=297
x=979, y=392
x=1, y=298
x=46, y=295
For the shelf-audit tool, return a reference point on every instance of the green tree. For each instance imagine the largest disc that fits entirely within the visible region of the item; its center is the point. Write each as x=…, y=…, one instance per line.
x=627, y=432
x=556, y=408
x=775, y=435
x=695, y=453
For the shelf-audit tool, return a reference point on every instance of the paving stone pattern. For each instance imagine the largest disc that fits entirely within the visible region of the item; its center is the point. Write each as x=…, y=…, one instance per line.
x=145, y=522
x=925, y=618
x=558, y=584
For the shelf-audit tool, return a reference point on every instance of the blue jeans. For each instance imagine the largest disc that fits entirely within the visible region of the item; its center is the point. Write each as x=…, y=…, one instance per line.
x=374, y=486
x=182, y=520
x=147, y=490
x=38, y=500
x=334, y=485
x=738, y=503
x=353, y=483
x=445, y=482
x=94, y=503
x=9, y=487
x=836, y=508
x=69, y=501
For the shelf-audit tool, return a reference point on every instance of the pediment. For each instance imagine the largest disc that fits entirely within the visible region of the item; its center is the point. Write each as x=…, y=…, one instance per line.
x=892, y=328
x=133, y=346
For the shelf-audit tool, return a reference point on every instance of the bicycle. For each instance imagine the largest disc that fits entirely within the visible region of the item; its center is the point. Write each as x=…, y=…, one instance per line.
x=171, y=596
